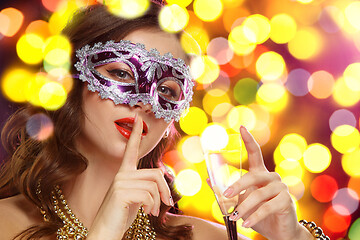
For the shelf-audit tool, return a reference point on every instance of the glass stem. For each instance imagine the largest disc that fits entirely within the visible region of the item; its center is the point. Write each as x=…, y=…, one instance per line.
x=231, y=228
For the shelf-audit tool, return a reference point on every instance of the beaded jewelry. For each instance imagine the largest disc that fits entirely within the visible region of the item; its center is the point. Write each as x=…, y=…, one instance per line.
x=73, y=228
x=141, y=228
x=314, y=230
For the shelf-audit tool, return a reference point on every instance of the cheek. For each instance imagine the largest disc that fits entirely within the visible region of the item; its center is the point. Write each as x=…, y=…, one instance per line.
x=153, y=139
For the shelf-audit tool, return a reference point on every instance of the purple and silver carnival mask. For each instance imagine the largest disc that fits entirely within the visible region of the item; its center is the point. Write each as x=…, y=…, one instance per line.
x=134, y=74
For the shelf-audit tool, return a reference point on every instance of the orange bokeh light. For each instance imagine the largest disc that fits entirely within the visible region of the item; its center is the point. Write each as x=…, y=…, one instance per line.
x=335, y=222
x=40, y=28
x=51, y=5
x=354, y=184
x=321, y=84
x=11, y=21
x=231, y=16
x=323, y=188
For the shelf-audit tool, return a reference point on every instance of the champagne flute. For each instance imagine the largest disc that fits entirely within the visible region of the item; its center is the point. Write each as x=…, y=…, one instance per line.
x=224, y=168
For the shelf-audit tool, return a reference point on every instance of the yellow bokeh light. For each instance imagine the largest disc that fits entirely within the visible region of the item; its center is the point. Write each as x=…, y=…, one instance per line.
x=292, y=146
x=259, y=25
x=270, y=66
x=194, y=40
x=352, y=76
x=211, y=70
x=317, y=158
x=321, y=84
x=283, y=28
x=278, y=158
x=305, y=1
x=63, y=77
x=352, y=14
x=350, y=163
x=273, y=96
x=182, y=3
x=200, y=203
x=188, y=182
x=128, y=9
x=57, y=57
x=344, y=95
x=57, y=42
x=14, y=83
x=290, y=151
x=289, y=168
x=307, y=43
x=345, y=138
x=194, y=122
x=261, y=113
x=221, y=110
x=191, y=149
x=173, y=18
x=235, y=153
x=241, y=115
x=61, y=17
x=36, y=82
x=214, y=97
x=214, y=137
x=29, y=48
x=216, y=212
x=242, y=40
x=291, y=181
x=57, y=53
x=208, y=10
x=232, y=3
x=197, y=67
x=52, y=96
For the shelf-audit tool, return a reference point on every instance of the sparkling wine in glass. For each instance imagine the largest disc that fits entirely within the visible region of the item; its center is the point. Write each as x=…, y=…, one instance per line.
x=224, y=168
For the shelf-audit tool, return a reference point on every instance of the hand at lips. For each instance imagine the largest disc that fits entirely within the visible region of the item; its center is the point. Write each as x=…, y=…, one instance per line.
x=125, y=126
x=130, y=189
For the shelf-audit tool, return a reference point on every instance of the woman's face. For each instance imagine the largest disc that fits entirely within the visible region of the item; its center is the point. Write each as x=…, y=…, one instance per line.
x=107, y=126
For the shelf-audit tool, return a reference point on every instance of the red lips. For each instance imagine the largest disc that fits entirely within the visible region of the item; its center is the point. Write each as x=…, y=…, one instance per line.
x=125, y=126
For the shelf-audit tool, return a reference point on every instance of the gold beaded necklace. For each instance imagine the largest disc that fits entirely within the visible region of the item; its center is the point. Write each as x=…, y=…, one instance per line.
x=73, y=228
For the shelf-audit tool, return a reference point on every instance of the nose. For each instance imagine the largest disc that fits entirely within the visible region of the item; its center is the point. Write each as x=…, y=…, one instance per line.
x=144, y=107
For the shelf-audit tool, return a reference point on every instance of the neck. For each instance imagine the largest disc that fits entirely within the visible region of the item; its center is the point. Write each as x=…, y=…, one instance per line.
x=86, y=192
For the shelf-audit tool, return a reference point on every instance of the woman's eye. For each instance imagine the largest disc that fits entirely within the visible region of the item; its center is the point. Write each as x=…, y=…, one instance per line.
x=121, y=75
x=168, y=93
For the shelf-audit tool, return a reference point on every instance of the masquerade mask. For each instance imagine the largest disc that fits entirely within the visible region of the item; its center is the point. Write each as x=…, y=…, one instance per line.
x=127, y=73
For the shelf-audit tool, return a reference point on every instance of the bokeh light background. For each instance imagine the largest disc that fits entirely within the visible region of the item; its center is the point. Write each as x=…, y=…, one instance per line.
x=288, y=70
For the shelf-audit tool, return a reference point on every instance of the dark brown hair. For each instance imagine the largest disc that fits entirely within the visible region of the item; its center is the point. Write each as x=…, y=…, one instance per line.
x=56, y=158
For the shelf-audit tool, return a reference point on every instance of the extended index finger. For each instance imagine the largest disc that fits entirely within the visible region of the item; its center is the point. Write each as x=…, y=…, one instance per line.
x=131, y=154
x=256, y=161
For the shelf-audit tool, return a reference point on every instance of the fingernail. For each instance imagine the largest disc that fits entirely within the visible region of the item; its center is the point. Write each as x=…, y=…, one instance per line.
x=157, y=212
x=171, y=201
x=228, y=192
x=246, y=224
x=234, y=216
x=242, y=126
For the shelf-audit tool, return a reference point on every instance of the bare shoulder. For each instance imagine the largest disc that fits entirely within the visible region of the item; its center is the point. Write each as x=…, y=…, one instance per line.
x=203, y=229
x=16, y=214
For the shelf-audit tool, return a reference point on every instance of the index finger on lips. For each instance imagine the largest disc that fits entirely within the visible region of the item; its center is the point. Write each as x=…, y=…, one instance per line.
x=132, y=147
x=255, y=157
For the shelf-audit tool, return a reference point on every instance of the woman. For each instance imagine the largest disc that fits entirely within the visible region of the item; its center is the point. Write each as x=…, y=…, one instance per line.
x=99, y=176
